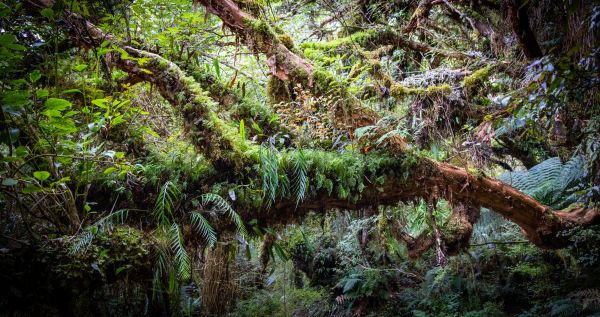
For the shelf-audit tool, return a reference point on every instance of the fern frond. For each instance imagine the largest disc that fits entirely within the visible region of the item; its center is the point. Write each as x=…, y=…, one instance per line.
x=300, y=177
x=223, y=206
x=182, y=260
x=203, y=227
x=108, y=222
x=166, y=202
x=82, y=242
x=269, y=163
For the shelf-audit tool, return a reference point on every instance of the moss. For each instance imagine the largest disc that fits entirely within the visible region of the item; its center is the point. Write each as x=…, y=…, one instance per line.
x=263, y=33
x=277, y=91
x=359, y=38
x=399, y=91
x=442, y=89
x=477, y=77
x=286, y=40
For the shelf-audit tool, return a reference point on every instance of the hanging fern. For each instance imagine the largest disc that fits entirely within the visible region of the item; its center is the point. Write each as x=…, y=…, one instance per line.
x=223, y=206
x=182, y=260
x=166, y=202
x=203, y=227
x=299, y=176
x=269, y=163
x=82, y=242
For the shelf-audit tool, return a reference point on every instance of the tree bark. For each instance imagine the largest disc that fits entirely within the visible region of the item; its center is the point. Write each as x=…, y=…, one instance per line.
x=519, y=19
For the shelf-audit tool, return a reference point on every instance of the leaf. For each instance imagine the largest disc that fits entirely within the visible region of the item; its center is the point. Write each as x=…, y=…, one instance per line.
x=6, y=39
x=79, y=67
x=120, y=269
x=42, y=93
x=35, y=76
x=350, y=283
x=203, y=227
x=41, y=175
x=242, y=129
x=29, y=189
x=47, y=13
x=217, y=67
x=9, y=182
x=57, y=104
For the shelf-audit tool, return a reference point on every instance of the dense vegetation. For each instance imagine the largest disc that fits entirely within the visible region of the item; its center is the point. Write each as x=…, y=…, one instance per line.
x=300, y=158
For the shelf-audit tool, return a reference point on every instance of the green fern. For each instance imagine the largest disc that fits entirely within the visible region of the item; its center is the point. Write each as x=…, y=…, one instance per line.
x=103, y=224
x=269, y=162
x=549, y=181
x=182, y=260
x=299, y=176
x=203, y=227
x=166, y=202
x=223, y=206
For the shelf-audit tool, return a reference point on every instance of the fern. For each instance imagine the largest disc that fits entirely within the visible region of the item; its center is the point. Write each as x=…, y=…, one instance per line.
x=166, y=201
x=300, y=177
x=105, y=223
x=223, y=206
x=82, y=242
x=269, y=162
x=108, y=221
x=203, y=227
x=182, y=259
x=548, y=181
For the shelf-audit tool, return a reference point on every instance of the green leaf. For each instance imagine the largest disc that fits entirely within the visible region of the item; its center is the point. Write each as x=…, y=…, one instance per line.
x=217, y=67
x=47, y=13
x=29, y=189
x=35, y=76
x=6, y=39
x=242, y=129
x=16, y=47
x=9, y=182
x=109, y=170
x=79, y=67
x=57, y=104
x=42, y=93
x=41, y=175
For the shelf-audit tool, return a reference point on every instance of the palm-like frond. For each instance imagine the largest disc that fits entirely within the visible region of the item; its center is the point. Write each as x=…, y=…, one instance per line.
x=166, y=202
x=182, y=260
x=82, y=242
x=223, y=206
x=105, y=223
x=299, y=176
x=203, y=227
x=108, y=222
x=269, y=164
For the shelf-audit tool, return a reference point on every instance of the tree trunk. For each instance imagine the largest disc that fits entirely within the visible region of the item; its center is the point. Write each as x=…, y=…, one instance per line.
x=519, y=20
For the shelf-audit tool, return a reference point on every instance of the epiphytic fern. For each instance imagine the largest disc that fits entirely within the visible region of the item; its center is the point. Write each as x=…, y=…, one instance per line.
x=221, y=205
x=299, y=176
x=203, y=227
x=166, y=202
x=269, y=163
x=182, y=260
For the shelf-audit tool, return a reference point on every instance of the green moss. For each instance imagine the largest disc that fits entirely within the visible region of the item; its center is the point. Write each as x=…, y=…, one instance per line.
x=359, y=38
x=442, y=89
x=286, y=40
x=399, y=91
x=477, y=77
